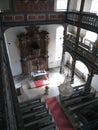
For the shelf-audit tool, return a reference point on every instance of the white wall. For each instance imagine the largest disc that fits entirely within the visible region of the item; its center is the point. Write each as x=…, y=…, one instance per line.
x=13, y=52
x=67, y=57
x=52, y=46
x=51, y=53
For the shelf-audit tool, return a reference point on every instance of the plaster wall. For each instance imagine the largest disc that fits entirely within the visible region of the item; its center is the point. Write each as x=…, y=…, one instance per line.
x=12, y=49
x=52, y=45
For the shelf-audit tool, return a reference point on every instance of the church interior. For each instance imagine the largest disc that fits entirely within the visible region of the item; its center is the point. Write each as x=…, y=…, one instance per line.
x=48, y=64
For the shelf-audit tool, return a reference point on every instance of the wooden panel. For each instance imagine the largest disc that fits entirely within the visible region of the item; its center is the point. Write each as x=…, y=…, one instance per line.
x=18, y=18
x=31, y=17
x=41, y=17
x=8, y=18
x=36, y=17
x=33, y=5
x=56, y=16
x=13, y=18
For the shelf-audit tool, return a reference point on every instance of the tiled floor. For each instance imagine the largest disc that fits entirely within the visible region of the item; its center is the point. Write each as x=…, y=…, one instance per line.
x=55, y=80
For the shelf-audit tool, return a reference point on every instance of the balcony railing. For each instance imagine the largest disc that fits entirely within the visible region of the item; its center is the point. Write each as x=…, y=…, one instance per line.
x=32, y=18
x=85, y=20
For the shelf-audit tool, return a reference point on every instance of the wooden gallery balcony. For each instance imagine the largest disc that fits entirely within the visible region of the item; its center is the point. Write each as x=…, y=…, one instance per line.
x=84, y=20
x=85, y=50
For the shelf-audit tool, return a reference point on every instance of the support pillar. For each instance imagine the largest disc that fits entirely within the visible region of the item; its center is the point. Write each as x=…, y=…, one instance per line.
x=63, y=53
x=62, y=63
x=89, y=80
x=73, y=70
x=77, y=42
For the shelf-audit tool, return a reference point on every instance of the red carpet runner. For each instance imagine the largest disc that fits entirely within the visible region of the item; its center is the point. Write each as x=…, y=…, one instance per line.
x=58, y=114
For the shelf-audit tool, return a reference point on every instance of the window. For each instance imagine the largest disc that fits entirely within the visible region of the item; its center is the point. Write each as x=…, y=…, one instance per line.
x=94, y=6
x=94, y=9
x=91, y=36
x=61, y=4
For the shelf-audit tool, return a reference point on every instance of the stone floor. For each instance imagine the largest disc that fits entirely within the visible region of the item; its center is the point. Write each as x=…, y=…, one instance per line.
x=55, y=80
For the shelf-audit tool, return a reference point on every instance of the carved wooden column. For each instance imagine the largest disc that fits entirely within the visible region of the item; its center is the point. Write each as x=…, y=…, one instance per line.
x=63, y=53
x=62, y=63
x=89, y=80
x=73, y=70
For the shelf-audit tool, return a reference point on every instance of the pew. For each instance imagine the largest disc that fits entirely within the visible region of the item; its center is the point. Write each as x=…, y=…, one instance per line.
x=39, y=122
x=49, y=126
x=30, y=102
x=36, y=115
x=35, y=108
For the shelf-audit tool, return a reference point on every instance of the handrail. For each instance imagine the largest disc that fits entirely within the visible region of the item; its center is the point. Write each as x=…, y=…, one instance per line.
x=88, y=21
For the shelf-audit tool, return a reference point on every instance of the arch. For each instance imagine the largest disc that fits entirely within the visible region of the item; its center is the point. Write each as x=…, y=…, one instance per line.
x=71, y=57
x=82, y=69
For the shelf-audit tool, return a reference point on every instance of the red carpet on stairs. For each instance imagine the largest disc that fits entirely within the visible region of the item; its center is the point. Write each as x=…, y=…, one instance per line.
x=58, y=114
